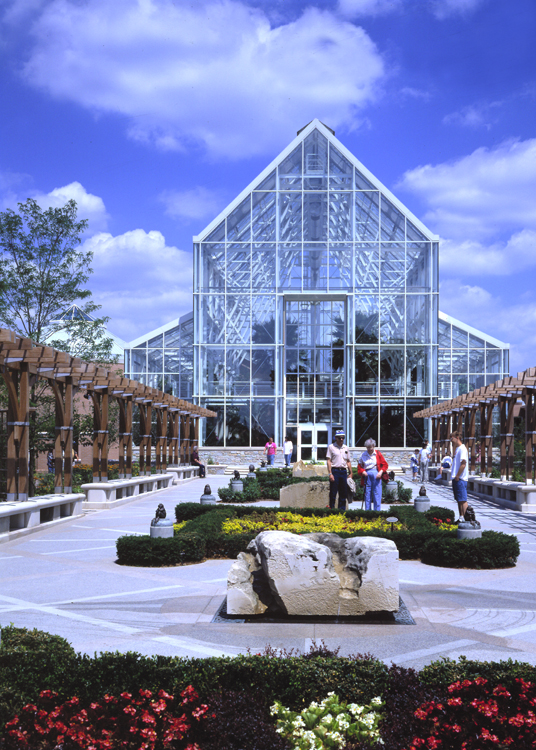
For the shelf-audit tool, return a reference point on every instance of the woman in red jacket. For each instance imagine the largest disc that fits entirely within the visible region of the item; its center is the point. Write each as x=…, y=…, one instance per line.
x=371, y=467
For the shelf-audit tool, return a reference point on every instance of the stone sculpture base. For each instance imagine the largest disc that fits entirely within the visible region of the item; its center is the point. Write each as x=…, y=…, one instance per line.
x=305, y=495
x=314, y=575
x=300, y=469
x=163, y=528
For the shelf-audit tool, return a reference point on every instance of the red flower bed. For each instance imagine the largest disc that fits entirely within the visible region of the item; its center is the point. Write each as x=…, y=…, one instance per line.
x=146, y=723
x=477, y=717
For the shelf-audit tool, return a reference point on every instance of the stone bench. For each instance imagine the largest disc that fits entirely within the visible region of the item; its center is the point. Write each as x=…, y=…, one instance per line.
x=183, y=474
x=101, y=495
x=20, y=518
x=513, y=495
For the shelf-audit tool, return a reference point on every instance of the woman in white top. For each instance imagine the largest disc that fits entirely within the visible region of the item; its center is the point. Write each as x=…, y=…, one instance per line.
x=287, y=450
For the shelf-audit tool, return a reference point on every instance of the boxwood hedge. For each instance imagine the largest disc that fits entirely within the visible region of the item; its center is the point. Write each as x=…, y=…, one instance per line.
x=421, y=539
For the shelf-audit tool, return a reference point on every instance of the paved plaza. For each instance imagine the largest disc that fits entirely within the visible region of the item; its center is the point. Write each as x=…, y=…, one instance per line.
x=65, y=580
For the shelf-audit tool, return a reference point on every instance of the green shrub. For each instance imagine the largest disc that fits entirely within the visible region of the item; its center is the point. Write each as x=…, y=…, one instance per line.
x=149, y=552
x=252, y=492
x=493, y=550
x=443, y=514
x=405, y=494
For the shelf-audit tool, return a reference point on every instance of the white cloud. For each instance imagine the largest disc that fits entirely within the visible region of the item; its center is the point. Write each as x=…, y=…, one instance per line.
x=197, y=203
x=473, y=116
x=496, y=259
x=356, y=8
x=90, y=207
x=446, y=8
x=488, y=194
x=142, y=282
x=511, y=321
x=214, y=74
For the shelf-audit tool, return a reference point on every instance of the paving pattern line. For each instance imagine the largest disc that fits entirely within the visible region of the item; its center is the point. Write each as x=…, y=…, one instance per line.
x=119, y=593
x=420, y=653
x=72, y=551
x=192, y=645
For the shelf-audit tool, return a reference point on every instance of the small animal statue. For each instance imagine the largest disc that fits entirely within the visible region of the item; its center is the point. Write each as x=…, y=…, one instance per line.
x=251, y=468
x=160, y=513
x=422, y=491
x=391, y=476
x=263, y=464
x=208, y=491
x=236, y=475
x=469, y=515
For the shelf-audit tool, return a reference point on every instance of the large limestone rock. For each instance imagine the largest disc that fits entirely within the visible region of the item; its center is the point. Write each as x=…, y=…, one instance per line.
x=301, y=469
x=305, y=495
x=314, y=575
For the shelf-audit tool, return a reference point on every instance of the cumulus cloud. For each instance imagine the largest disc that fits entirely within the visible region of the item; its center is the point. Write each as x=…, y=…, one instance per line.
x=142, y=282
x=496, y=259
x=474, y=116
x=197, y=203
x=356, y=8
x=90, y=207
x=446, y=8
x=485, y=194
x=512, y=321
x=213, y=74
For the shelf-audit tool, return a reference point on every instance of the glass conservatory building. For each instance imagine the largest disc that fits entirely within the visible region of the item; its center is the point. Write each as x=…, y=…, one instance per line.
x=316, y=308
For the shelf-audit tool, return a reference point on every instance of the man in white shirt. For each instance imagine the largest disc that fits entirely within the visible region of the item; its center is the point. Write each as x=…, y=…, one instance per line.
x=424, y=457
x=339, y=464
x=287, y=450
x=460, y=473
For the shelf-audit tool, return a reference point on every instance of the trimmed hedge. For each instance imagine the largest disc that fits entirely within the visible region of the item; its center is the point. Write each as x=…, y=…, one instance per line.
x=31, y=661
x=421, y=539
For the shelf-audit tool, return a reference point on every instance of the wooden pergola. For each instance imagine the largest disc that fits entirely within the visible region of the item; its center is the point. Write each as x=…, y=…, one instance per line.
x=22, y=362
x=511, y=395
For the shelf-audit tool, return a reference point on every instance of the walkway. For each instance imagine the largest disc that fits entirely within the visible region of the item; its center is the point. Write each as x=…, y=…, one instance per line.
x=65, y=580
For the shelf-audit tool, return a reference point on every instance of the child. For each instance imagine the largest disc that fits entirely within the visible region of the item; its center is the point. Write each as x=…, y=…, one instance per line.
x=414, y=461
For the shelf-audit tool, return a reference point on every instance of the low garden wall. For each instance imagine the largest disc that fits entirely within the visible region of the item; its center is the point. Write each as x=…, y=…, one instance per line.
x=20, y=518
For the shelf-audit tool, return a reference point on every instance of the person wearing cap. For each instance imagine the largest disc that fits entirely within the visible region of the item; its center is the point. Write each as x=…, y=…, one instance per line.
x=371, y=467
x=339, y=467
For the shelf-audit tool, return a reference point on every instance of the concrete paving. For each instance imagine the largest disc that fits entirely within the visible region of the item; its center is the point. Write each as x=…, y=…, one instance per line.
x=65, y=580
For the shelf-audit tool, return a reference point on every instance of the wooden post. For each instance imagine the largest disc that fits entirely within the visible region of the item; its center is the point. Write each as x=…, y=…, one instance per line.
x=509, y=439
x=145, y=437
x=176, y=438
x=530, y=435
x=128, y=435
x=122, y=436
x=503, y=412
x=489, y=438
x=100, y=435
x=11, y=378
x=164, y=439
x=18, y=432
x=471, y=437
x=159, y=442
x=63, y=446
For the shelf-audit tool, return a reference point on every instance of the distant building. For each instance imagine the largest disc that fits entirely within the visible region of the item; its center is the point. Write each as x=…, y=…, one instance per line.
x=315, y=308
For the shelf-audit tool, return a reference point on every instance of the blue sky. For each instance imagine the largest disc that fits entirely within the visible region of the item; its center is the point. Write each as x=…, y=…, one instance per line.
x=153, y=115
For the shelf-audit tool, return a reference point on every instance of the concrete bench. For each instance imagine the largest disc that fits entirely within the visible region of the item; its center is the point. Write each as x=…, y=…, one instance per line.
x=183, y=474
x=513, y=495
x=20, y=518
x=101, y=495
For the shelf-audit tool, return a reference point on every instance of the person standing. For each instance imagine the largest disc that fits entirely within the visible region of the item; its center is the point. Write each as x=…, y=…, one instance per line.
x=424, y=457
x=270, y=449
x=339, y=468
x=287, y=450
x=371, y=467
x=414, y=463
x=460, y=473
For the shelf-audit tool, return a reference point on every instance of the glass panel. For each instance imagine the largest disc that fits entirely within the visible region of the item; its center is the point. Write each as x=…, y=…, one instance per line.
x=214, y=375
x=263, y=267
x=493, y=360
x=290, y=171
x=262, y=372
x=367, y=266
x=315, y=217
x=172, y=360
x=392, y=265
x=213, y=266
x=157, y=342
x=154, y=360
x=340, y=216
x=413, y=233
x=366, y=372
x=367, y=216
x=262, y=421
x=476, y=380
x=459, y=360
x=417, y=371
x=366, y=423
x=392, y=222
x=340, y=266
x=239, y=267
x=172, y=385
x=238, y=319
x=263, y=319
x=415, y=426
x=315, y=267
x=290, y=216
x=290, y=266
x=218, y=234
x=139, y=360
x=316, y=157
x=237, y=423
x=417, y=316
x=392, y=319
x=460, y=384
x=268, y=183
x=361, y=182
x=214, y=427
x=366, y=319
x=443, y=334
x=172, y=337
x=392, y=372
x=418, y=266
x=476, y=360
x=213, y=319
x=392, y=425
x=475, y=342
x=187, y=332
x=459, y=338
x=340, y=170
x=263, y=216
x=239, y=222
x=238, y=371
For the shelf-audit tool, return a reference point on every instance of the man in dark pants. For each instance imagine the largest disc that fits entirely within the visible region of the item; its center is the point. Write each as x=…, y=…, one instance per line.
x=339, y=467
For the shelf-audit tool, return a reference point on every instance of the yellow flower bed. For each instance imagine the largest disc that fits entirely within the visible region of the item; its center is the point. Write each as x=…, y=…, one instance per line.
x=303, y=524
x=177, y=526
